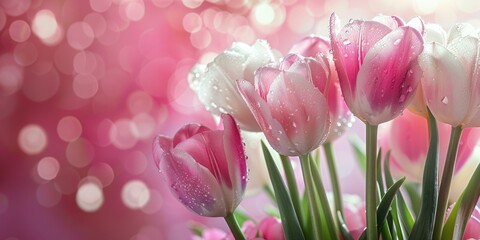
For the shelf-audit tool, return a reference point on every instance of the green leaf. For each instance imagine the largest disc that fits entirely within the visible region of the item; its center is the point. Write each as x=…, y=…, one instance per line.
x=424, y=225
x=413, y=193
x=291, y=226
x=384, y=206
x=360, y=152
x=325, y=206
x=241, y=217
x=399, y=225
x=455, y=226
x=380, y=184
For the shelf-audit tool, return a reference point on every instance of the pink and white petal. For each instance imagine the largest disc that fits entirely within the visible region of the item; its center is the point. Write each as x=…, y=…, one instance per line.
x=466, y=50
x=464, y=174
x=472, y=230
x=445, y=84
x=392, y=22
x=187, y=132
x=418, y=24
x=264, y=77
x=301, y=109
x=235, y=158
x=311, y=46
x=435, y=33
x=160, y=145
x=272, y=129
x=409, y=135
x=260, y=56
x=468, y=142
x=320, y=72
x=192, y=184
x=461, y=30
x=385, y=78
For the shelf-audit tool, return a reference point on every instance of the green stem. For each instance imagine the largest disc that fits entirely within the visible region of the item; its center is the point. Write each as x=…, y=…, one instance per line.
x=332, y=169
x=371, y=182
x=446, y=180
x=292, y=188
x=233, y=225
x=310, y=191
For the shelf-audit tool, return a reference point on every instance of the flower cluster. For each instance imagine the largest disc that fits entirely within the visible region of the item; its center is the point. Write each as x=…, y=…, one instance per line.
x=370, y=69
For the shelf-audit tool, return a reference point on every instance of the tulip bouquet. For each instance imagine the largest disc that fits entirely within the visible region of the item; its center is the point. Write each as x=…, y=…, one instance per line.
x=369, y=69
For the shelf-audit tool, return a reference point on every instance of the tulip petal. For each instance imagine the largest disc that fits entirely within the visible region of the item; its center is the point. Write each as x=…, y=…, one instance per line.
x=235, y=158
x=207, y=149
x=187, y=132
x=271, y=128
x=161, y=144
x=350, y=47
x=435, y=33
x=305, y=110
x=409, y=134
x=264, y=78
x=417, y=23
x=392, y=22
x=445, y=84
x=311, y=46
x=192, y=184
x=461, y=30
x=385, y=83
x=261, y=55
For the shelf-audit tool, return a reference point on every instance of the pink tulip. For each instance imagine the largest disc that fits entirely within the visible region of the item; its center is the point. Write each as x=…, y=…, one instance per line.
x=341, y=118
x=472, y=230
x=271, y=228
x=450, y=76
x=205, y=169
x=354, y=214
x=373, y=64
x=407, y=139
x=288, y=105
x=214, y=83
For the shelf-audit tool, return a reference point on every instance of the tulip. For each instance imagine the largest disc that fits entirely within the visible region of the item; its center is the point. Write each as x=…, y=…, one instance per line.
x=472, y=229
x=271, y=228
x=373, y=64
x=354, y=214
x=406, y=137
x=214, y=83
x=205, y=169
x=341, y=118
x=449, y=73
x=289, y=108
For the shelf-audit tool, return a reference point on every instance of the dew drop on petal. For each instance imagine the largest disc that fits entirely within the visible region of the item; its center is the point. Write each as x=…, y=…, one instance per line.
x=397, y=41
x=445, y=100
x=346, y=42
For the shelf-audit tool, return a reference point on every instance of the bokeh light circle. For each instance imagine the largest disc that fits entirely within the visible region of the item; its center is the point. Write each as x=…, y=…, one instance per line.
x=19, y=31
x=69, y=128
x=89, y=197
x=80, y=35
x=135, y=194
x=32, y=139
x=48, y=168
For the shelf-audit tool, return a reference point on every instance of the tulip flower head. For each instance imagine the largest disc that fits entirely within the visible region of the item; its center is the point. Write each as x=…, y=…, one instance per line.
x=340, y=116
x=214, y=83
x=373, y=62
x=288, y=105
x=406, y=137
x=449, y=70
x=205, y=169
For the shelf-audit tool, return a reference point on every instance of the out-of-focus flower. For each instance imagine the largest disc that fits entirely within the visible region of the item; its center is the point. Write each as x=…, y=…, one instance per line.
x=214, y=83
x=373, y=64
x=406, y=137
x=354, y=214
x=450, y=73
x=271, y=228
x=472, y=230
x=212, y=234
x=288, y=105
x=341, y=118
x=205, y=169
x=258, y=177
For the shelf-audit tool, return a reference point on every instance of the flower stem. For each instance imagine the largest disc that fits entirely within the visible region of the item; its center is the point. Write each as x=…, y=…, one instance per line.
x=312, y=200
x=333, y=177
x=371, y=182
x=446, y=180
x=233, y=225
x=292, y=188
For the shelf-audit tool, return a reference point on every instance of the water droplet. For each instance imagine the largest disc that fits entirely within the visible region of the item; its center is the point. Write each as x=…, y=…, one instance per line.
x=346, y=42
x=445, y=100
x=294, y=124
x=402, y=98
x=397, y=41
x=345, y=55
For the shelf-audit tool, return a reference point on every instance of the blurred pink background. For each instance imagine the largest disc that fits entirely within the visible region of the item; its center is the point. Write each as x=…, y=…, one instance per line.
x=85, y=86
